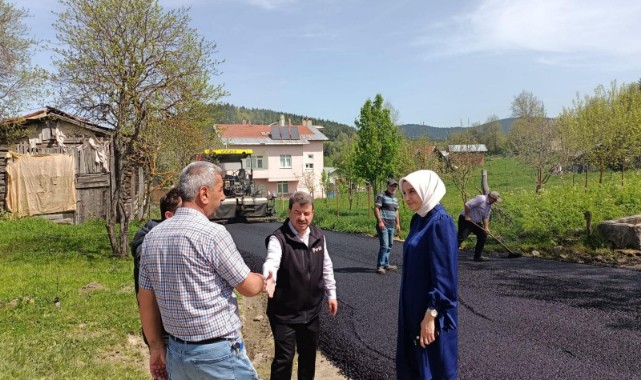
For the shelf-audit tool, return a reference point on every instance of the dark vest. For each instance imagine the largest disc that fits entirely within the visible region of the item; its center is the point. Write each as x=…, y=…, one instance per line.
x=300, y=286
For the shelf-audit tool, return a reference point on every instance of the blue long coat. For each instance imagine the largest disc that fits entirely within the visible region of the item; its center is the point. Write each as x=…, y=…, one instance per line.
x=429, y=280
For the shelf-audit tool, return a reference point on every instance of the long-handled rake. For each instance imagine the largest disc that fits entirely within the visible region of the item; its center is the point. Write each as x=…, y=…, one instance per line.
x=512, y=254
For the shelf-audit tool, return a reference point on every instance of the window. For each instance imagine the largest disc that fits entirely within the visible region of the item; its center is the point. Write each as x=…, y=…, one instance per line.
x=259, y=162
x=309, y=166
x=286, y=161
x=283, y=188
x=310, y=156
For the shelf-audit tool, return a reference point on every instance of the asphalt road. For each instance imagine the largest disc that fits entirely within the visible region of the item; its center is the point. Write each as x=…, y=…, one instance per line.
x=520, y=318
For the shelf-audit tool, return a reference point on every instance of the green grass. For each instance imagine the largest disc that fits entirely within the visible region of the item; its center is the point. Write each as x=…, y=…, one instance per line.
x=88, y=336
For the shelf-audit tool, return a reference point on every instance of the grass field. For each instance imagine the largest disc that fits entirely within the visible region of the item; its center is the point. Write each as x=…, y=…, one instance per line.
x=94, y=332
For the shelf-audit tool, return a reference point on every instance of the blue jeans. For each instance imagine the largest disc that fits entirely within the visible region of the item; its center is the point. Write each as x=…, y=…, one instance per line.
x=219, y=360
x=386, y=240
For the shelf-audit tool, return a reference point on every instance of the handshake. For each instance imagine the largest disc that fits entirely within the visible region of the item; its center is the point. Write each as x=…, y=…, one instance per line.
x=269, y=284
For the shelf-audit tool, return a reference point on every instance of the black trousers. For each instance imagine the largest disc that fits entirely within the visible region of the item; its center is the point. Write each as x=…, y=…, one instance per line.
x=288, y=337
x=465, y=228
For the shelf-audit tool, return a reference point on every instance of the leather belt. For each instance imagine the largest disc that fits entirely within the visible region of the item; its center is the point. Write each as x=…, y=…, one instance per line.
x=205, y=341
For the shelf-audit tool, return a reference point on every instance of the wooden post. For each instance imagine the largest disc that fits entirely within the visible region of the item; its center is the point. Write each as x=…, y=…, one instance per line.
x=484, y=186
x=588, y=222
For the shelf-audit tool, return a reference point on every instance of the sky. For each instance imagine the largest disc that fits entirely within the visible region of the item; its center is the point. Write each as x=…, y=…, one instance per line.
x=439, y=63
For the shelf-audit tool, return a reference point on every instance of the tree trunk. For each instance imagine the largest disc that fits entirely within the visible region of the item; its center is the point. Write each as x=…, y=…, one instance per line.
x=601, y=170
x=119, y=213
x=369, y=202
x=622, y=171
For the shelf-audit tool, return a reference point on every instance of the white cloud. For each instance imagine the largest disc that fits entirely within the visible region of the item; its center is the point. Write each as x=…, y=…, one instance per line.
x=564, y=27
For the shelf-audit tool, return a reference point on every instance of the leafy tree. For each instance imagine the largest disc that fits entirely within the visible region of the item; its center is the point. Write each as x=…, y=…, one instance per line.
x=418, y=154
x=491, y=134
x=171, y=145
x=604, y=129
x=346, y=163
x=19, y=81
x=132, y=66
x=378, y=142
x=535, y=139
x=626, y=119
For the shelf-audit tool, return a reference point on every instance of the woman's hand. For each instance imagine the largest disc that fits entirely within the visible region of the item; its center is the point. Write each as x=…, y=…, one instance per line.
x=428, y=332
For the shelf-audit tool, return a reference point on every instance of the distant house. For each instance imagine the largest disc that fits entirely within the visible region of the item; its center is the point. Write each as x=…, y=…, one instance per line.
x=473, y=152
x=60, y=171
x=332, y=174
x=286, y=158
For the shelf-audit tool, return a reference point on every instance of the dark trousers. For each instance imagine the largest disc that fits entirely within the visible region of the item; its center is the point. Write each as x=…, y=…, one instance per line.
x=465, y=228
x=288, y=337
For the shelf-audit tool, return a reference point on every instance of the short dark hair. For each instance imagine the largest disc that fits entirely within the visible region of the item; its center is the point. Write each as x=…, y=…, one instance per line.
x=302, y=198
x=169, y=202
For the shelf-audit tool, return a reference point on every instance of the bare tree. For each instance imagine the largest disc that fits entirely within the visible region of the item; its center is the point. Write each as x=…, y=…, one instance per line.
x=131, y=65
x=309, y=180
x=535, y=139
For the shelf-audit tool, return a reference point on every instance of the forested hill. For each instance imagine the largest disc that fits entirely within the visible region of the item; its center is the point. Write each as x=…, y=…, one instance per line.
x=231, y=114
x=414, y=131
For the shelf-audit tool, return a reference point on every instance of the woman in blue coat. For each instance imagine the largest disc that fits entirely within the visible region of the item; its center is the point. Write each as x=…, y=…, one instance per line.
x=427, y=315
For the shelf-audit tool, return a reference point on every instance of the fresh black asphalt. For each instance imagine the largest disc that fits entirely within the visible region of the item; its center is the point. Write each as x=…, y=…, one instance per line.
x=520, y=318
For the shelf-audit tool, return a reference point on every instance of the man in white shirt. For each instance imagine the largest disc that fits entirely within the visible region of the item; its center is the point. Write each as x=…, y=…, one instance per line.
x=476, y=219
x=299, y=275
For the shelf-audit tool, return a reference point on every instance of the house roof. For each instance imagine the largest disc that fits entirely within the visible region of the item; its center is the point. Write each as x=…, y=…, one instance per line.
x=254, y=134
x=471, y=148
x=54, y=113
x=329, y=170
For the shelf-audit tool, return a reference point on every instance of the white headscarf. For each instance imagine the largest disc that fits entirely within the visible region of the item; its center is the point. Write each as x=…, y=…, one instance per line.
x=429, y=187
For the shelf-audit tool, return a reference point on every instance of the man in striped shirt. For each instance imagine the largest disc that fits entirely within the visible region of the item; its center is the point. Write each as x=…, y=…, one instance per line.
x=475, y=219
x=387, y=221
x=188, y=272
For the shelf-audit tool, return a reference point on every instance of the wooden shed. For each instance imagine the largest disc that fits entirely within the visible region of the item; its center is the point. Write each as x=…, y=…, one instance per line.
x=85, y=148
x=472, y=153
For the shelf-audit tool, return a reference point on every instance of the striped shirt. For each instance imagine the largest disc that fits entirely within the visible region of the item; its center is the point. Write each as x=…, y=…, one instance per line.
x=387, y=205
x=192, y=265
x=479, y=207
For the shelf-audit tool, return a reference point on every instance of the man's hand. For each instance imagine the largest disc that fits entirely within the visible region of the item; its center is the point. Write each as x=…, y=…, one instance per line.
x=332, y=305
x=157, y=366
x=381, y=226
x=398, y=228
x=270, y=285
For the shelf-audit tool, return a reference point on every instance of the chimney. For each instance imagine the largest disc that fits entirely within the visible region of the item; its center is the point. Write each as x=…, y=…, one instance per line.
x=289, y=121
x=282, y=120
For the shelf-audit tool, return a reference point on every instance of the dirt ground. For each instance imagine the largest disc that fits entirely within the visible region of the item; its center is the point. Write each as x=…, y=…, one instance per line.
x=260, y=344
x=258, y=339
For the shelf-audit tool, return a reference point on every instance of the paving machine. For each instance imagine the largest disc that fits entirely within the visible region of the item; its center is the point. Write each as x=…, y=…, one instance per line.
x=243, y=201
